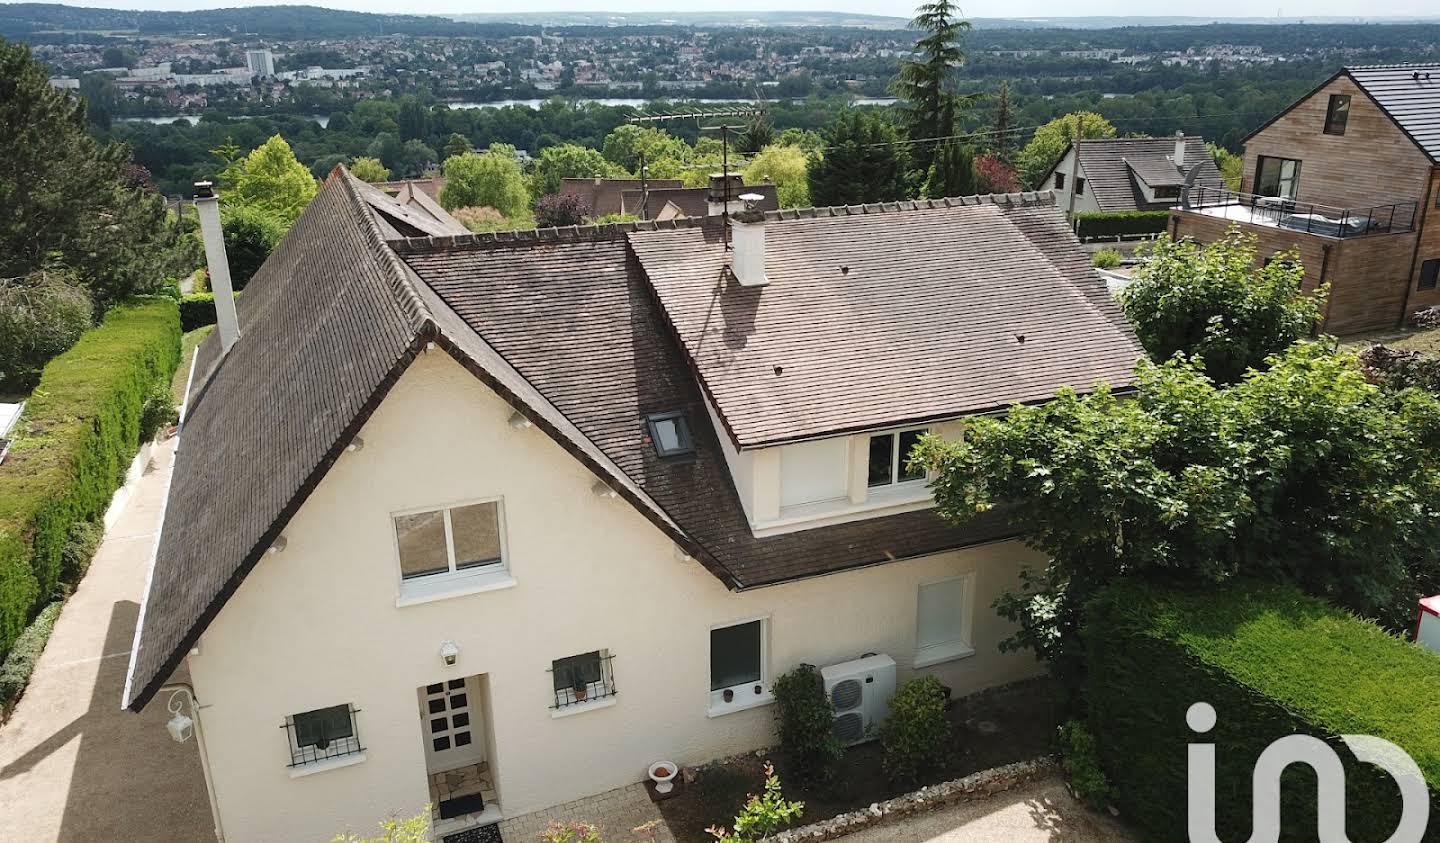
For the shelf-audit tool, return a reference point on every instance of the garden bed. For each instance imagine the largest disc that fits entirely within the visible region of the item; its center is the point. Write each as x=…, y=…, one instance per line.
x=1001, y=726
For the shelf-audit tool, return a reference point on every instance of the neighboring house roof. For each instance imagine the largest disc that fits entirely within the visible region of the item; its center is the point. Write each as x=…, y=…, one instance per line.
x=885, y=317
x=430, y=187
x=564, y=325
x=695, y=201
x=409, y=213
x=1112, y=165
x=604, y=195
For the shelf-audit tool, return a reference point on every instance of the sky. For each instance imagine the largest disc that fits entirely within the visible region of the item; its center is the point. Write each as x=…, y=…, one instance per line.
x=973, y=8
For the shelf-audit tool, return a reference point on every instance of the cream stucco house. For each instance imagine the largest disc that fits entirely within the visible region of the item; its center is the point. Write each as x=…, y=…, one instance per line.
x=545, y=508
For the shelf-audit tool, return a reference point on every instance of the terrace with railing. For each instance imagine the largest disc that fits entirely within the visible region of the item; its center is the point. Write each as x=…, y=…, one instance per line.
x=1307, y=217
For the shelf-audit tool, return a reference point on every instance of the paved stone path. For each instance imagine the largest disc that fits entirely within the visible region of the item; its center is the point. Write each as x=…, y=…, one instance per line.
x=1040, y=812
x=73, y=766
x=617, y=812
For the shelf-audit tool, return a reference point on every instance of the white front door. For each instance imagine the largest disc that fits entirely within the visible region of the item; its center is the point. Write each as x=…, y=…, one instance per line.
x=451, y=718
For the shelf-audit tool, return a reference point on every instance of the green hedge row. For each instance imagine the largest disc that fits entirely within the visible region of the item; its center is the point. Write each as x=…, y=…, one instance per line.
x=1272, y=662
x=80, y=430
x=197, y=310
x=20, y=662
x=1113, y=223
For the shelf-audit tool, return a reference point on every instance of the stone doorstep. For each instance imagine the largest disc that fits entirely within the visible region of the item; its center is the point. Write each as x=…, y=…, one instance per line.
x=974, y=786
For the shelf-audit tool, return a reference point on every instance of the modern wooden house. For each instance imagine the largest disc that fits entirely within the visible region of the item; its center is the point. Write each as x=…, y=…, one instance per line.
x=1350, y=177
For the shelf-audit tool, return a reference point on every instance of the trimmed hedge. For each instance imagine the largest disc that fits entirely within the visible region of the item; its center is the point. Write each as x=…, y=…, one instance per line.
x=1112, y=223
x=20, y=663
x=80, y=430
x=197, y=310
x=1273, y=662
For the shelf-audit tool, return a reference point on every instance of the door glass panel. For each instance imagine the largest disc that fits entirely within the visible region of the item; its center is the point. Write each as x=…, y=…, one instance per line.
x=439, y=724
x=437, y=706
x=462, y=738
x=442, y=744
x=458, y=701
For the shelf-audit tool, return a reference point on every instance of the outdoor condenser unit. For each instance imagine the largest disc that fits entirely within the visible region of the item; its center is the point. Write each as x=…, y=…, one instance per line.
x=860, y=690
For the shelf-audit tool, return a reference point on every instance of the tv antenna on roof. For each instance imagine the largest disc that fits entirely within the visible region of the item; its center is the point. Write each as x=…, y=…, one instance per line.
x=724, y=128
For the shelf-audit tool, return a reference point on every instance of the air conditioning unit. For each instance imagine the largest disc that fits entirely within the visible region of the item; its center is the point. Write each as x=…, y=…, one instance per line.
x=860, y=691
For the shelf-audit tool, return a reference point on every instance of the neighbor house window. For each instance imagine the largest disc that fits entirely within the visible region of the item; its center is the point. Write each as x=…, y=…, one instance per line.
x=442, y=541
x=584, y=678
x=1277, y=177
x=942, y=620
x=1429, y=271
x=1079, y=186
x=322, y=734
x=1059, y=181
x=737, y=665
x=1167, y=192
x=890, y=459
x=1337, y=114
x=670, y=433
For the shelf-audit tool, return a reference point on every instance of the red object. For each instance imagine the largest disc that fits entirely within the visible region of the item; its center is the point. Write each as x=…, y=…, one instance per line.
x=1428, y=606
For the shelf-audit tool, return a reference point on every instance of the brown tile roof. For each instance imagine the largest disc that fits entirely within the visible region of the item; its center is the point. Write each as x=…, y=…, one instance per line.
x=603, y=195
x=409, y=213
x=695, y=201
x=430, y=187
x=1110, y=165
x=877, y=318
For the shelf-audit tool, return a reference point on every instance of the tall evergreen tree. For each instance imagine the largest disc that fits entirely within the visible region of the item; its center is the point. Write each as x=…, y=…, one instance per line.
x=926, y=84
x=757, y=135
x=1002, y=141
x=863, y=161
x=952, y=172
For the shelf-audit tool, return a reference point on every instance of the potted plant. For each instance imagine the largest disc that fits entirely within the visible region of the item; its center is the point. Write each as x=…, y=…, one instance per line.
x=580, y=689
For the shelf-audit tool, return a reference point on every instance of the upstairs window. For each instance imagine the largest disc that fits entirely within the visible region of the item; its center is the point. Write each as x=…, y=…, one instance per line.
x=670, y=433
x=451, y=540
x=1079, y=186
x=1337, y=114
x=890, y=459
x=1059, y=181
x=1167, y=192
x=1429, y=274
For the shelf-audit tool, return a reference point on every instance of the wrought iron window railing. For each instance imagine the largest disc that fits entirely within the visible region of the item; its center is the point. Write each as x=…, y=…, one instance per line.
x=584, y=678
x=1309, y=217
x=322, y=734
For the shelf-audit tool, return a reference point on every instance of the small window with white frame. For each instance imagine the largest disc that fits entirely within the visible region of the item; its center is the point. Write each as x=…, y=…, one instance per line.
x=943, y=617
x=739, y=678
x=889, y=463
x=322, y=734
x=450, y=540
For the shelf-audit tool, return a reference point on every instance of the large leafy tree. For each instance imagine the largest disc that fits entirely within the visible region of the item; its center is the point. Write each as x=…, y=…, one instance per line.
x=273, y=180
x=785, y=166
x=624, y=146
x=65, y=195
x=1050, y=140
x=369, y=169
x=1304, y=472
x=1218, y=303
x=863, y=161
x=485, y=180
x=927, y=82
x=568, y=161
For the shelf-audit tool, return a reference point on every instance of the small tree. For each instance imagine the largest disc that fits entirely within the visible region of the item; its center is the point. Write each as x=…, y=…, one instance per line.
x=1217, y=303
x=915, y=737
x=762, y=815
x=251, y=234
x=1232, y=166
x=993, y=175
x=807, y=722
x=785, y=167
x=272, y=179
x=414, y=829
x=457, y=144
x=1050, y=140
x=41, y=316
x=560, y=209
x=864, y=162
x=491, y=179
x=369, y=169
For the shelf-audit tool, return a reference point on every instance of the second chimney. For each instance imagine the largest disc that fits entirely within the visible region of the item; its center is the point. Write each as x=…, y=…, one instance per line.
x=207, y=205
x=747, y=241
x=1180, y=150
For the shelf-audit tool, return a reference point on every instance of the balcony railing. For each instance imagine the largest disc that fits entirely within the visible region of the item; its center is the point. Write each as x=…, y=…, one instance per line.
x=1309, y=217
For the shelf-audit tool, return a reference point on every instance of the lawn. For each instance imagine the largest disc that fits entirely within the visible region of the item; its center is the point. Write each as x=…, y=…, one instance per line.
x=992, y=728
x=1421, y=339
x=188, y=343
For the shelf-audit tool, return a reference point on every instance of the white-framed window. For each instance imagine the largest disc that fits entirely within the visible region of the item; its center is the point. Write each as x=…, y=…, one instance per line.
x=586, y=678
x=322, y=734
x=739, y=674
x=943, y=618
x=450, y=540
x=889, y=462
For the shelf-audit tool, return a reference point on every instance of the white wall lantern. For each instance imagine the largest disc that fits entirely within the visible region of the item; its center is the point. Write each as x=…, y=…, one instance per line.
x=280, y=544
x=180, y=726
x=449, y=653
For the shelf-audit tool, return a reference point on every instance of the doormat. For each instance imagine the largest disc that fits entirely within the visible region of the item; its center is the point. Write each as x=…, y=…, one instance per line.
x=480, y=834
x=461, y=805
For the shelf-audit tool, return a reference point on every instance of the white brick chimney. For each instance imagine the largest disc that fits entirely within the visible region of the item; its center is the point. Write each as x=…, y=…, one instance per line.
x=207, y=205
x=1180, y=150
x=747, y=242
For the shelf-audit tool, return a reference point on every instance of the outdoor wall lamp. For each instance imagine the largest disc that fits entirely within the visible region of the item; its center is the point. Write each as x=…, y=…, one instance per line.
x=180, y=726
x=449, y=653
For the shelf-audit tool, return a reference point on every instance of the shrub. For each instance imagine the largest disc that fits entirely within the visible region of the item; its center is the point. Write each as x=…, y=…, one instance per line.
x=559, y=209
x=1090, y=224
x=1395, y=368
x=414, y=829
x=575, y=831
x=41, y=315
x=81, y=542
x=807, y=722
x=763, y=815
x=251, y=234
x=80, y=429
x=1272, y=662
x=20, y=662
x=197, y=310
x=158, y=412
x=1106, y=259
x=915, y=737
x=1082, y=765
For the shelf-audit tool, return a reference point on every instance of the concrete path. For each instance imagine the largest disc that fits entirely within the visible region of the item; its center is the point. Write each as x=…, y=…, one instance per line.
x=1040, y=812
x=73, y=766
x=617, y=812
